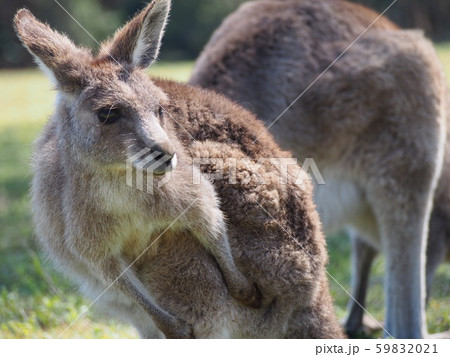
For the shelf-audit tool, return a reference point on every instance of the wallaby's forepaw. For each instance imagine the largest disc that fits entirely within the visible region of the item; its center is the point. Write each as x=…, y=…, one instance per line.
x=179, y=330
x=249, y=295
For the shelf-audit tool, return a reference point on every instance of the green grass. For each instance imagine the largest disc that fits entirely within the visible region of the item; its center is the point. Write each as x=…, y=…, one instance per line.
x=443, y=51
x=36, y=302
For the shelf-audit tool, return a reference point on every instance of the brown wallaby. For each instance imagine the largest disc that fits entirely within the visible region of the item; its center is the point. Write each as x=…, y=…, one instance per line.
x=165, y=259
x=374, y=122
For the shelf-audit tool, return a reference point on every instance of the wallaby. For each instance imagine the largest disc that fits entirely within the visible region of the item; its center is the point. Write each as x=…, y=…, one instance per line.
x=372, y=114
x=163, y=260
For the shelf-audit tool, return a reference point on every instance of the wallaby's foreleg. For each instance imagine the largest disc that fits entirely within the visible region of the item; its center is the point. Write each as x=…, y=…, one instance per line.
x=128, y=283
x=210, y=229
x=362, y=258
x=131, y=313
x=213, y=235
x=239, y=286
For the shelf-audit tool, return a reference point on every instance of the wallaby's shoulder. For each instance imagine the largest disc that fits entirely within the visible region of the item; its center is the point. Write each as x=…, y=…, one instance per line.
x=208, y=115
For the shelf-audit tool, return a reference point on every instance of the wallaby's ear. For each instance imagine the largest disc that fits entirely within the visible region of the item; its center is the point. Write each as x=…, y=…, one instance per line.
x=55, y=54
x=138, y=42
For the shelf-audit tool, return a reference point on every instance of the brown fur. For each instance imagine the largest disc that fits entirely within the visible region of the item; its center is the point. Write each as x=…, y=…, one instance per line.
x=374, y=123
x=93, y=225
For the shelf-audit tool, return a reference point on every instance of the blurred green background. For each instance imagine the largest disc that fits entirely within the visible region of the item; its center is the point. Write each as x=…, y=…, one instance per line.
x=35, y=301
x=191, y=24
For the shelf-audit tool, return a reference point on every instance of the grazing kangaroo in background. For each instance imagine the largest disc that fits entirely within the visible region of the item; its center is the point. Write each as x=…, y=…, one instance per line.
x=164, y=259
x=374, y=122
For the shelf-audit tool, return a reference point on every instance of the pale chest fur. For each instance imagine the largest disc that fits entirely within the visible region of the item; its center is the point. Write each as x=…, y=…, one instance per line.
x=341, y=203
x=139, y=217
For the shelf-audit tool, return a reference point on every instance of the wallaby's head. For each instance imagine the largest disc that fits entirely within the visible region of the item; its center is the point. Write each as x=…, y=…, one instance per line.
x=109, y=109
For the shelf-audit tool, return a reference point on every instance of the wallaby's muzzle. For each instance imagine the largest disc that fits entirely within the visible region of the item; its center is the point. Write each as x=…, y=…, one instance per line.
x=165, y=159
x=164, y=163
x=156, y=161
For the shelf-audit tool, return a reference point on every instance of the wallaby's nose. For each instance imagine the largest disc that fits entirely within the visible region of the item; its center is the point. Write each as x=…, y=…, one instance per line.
x=166, y=149
x=165, y=157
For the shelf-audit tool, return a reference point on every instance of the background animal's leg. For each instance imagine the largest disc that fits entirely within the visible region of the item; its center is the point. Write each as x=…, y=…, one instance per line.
x=405, y=284
x=129, y=284
x=437, y=246
x=403, y=218
x=362, y=258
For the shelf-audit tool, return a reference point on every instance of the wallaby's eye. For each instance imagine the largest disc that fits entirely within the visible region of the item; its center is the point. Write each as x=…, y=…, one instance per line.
x=108, y=115
x=161, y=113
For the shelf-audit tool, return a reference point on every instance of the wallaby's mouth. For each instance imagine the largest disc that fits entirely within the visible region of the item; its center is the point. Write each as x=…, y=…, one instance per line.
x=152, y=162
x=166, y=165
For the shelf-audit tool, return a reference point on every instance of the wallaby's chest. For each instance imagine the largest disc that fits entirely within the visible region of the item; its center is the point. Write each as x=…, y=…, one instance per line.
x=341, y=203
